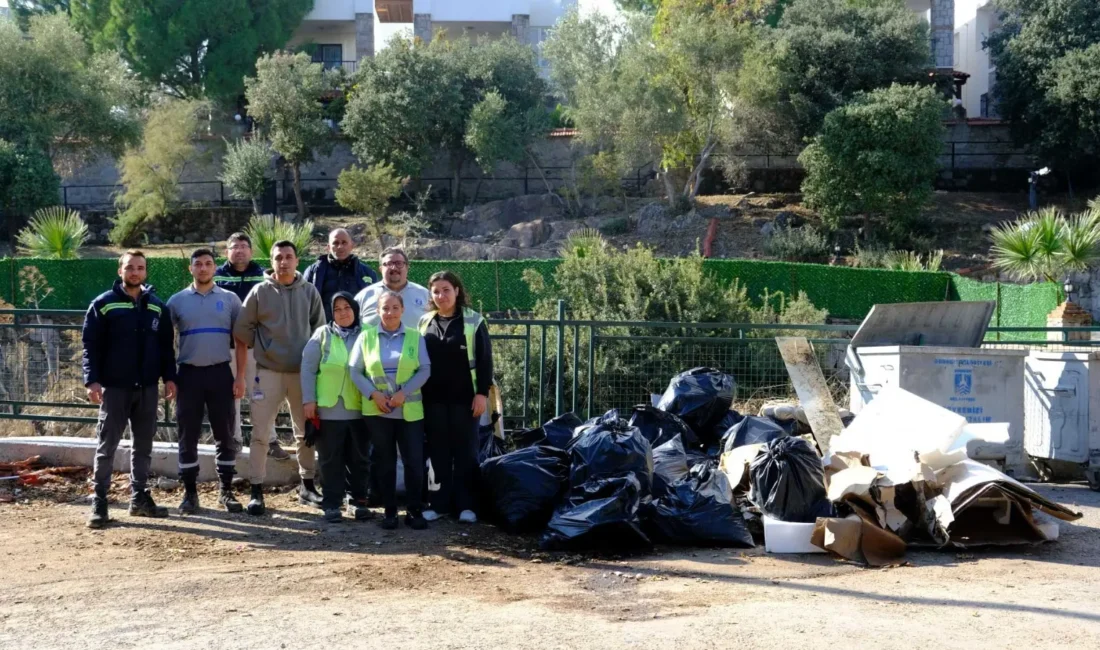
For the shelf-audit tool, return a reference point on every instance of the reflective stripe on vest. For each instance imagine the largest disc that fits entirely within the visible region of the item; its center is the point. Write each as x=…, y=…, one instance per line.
x=407, y=365
x=334, y=375
x=471, y=320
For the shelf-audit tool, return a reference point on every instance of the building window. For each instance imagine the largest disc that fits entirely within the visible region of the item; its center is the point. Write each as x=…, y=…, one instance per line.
x=536, y=36
x=330, y=55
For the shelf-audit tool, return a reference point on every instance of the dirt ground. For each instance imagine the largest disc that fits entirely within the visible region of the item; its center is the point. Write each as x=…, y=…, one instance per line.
x=288, y=580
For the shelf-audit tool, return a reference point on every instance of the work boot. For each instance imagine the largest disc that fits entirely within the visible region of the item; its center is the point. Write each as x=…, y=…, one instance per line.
x=357, y=508
x=389, y=521
x=256, y=503
x=228, y=500
x=142, y=505
x=333, y=516
x=415, y=520
x=190, y=503
x=277, y=452
x=308, y=494
x=99, y=517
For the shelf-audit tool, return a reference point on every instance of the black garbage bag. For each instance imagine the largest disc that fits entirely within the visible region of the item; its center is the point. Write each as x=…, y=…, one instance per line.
x=556, y=433
x=489, y=446
x=728, y=420
x=671, y=463
x=752, y=430
x=522, y=488
x=658, y=427
x=698, y=510
x=788, y=481
x=608, y=448
x=701, y=397
x=600, y=514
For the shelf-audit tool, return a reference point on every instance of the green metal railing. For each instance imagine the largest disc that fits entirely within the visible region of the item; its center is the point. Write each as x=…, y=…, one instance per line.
x=543, y=367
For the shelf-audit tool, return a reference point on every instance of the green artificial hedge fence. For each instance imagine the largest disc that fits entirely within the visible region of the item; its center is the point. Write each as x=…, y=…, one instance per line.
x=498, y=286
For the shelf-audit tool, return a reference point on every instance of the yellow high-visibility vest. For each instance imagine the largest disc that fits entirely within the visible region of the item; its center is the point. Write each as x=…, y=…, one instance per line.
x=413, y=409
x=334, y=374
x=471, y=320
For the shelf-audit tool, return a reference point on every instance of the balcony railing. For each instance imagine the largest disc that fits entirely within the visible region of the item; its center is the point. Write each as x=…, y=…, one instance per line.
x=348, y=66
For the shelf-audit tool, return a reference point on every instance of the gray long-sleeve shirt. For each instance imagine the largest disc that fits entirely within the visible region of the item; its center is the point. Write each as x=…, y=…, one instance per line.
x=390, y=344
x=311, y=364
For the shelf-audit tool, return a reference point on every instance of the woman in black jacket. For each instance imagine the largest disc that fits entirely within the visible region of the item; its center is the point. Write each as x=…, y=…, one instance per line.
x=456, y=395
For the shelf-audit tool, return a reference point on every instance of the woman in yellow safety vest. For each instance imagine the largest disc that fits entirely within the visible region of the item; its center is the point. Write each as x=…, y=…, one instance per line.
x=389, y=365
x=456, y=394
x=329, y=393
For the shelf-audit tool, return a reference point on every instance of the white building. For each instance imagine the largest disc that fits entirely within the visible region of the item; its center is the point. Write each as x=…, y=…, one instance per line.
x=975, y=20
x=345, y=31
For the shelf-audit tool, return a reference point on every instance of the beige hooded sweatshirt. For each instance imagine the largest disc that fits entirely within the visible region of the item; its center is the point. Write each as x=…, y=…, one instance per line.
x=276, y=321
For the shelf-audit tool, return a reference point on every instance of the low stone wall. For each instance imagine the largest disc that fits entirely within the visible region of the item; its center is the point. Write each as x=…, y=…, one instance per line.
x=184, y=224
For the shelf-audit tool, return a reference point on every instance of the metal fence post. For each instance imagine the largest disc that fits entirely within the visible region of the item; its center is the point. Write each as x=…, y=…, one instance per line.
x=559, y=378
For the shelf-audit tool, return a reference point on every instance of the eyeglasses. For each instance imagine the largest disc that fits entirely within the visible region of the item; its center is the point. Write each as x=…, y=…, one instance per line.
x=395, y=264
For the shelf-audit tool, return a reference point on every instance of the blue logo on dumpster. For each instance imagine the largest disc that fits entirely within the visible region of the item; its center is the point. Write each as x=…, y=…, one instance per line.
x=964, y=382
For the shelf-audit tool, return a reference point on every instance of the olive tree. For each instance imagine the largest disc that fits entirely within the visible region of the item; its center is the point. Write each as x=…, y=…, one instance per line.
x=650, y=97
x=285, y=98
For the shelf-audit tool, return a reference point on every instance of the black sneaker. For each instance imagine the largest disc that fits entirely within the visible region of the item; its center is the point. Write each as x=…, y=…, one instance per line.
x=308, y=494
x=333, y=516
x=189, y=504
x=99, y=517
x=228, y=500
x=142, y=505
x=416, y=521
x=389, y=522
x=256, y=504
x=359, y=510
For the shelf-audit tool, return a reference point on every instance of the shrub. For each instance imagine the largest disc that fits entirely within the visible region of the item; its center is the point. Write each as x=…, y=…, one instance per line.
x=368, y=192
x=876, y=156
x=245, y=168
x=601, y=283
x=265, y=230
x=877, y=257
x=805, y=244
x=151, y=173
x=54, y=233
x=616, y=226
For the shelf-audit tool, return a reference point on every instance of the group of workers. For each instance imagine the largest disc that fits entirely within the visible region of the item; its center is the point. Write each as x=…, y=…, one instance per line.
x=368, y=366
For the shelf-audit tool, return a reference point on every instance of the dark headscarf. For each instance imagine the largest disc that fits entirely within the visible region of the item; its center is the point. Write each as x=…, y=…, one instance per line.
x=345, y=331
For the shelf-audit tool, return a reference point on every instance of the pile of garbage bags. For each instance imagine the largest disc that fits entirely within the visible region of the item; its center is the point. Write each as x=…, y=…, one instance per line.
x=626, y=478
x=692, y=471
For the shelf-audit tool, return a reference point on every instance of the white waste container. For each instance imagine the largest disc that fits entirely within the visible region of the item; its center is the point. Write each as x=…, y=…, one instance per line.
x=1062, y=414
x=932, y=350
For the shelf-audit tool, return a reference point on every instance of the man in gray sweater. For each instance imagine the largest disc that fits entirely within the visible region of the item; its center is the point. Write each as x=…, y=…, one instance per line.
x=277, y=318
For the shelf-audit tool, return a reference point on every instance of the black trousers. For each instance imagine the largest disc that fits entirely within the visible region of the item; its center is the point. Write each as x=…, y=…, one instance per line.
x=209, y=390
x=342, y=457
x=387, y=435
x=452, y=431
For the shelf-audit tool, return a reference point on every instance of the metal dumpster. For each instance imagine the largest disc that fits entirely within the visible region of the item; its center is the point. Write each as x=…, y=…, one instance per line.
x=933, y=350
x=1062, y=414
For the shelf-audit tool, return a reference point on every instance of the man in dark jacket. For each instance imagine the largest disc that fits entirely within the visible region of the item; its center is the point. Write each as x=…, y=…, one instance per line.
x=128, y=350
x=339, y=270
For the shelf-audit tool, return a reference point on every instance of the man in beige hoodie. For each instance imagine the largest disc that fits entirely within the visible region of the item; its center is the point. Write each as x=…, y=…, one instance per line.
x=276, y=321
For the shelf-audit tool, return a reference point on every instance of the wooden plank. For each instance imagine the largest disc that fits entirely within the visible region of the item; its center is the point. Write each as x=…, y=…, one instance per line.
x=813, y=392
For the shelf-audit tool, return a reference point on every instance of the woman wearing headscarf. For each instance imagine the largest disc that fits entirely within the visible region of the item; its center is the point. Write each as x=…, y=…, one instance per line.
x=389, y=365
x=328, y=392
x=456, y=394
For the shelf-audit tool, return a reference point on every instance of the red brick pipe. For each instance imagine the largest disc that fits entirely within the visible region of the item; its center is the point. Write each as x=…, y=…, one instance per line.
x=712, y=232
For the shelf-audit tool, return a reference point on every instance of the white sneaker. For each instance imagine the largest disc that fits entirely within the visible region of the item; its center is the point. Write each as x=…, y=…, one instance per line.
x=430, y=515
x=467, y=517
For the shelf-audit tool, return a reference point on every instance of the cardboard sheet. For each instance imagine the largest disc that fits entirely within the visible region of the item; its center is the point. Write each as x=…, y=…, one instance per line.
x=858, y=539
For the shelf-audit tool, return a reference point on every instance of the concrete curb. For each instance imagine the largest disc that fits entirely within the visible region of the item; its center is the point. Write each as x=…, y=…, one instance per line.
x=64, y=451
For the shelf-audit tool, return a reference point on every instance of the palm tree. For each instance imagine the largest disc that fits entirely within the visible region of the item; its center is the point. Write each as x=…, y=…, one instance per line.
x=265, y=230
x=1047, y=246
x=54, y=233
